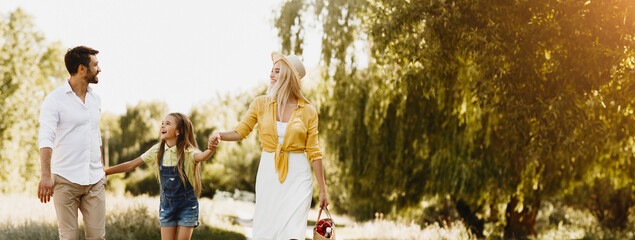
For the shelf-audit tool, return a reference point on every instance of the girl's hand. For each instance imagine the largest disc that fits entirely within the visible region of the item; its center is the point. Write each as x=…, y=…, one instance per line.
x=212, y=143
x=324, y=202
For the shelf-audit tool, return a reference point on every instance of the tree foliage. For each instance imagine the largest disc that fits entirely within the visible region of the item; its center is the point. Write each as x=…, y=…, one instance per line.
x=139, y=128
x=30, y=68
x=234, y=165
x=485, y=101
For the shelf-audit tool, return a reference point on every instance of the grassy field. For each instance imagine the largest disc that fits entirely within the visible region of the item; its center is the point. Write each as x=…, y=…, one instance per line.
x=24, y=217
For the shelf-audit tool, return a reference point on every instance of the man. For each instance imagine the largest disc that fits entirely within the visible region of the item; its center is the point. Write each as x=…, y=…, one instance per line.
x=70, y=149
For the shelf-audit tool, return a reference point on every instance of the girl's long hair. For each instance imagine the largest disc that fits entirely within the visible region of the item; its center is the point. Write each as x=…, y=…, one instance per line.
x=184, y=140
x=286, y=85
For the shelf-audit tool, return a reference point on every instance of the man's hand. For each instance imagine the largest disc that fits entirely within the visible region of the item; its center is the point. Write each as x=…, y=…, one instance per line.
x=45, y=189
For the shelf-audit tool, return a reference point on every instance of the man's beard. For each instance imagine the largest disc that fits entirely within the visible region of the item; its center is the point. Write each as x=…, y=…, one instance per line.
x=91, y=77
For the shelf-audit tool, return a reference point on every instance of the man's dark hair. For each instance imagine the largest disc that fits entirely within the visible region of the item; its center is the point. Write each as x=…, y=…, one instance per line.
x=78, y=56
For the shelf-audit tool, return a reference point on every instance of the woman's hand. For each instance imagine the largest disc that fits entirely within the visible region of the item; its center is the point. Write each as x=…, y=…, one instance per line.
x=324, y=202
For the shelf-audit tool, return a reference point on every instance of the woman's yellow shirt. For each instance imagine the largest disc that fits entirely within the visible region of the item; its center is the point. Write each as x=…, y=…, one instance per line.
x=300, y=136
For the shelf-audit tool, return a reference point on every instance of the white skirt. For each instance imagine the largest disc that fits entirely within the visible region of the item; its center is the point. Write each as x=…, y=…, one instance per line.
x=282, y=208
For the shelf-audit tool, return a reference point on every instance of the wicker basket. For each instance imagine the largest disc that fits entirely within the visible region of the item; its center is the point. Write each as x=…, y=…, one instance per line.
x=316, y=235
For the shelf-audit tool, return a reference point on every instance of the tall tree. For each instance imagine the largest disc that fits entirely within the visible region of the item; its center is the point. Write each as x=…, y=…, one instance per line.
x=30, y=68
x=486, y=101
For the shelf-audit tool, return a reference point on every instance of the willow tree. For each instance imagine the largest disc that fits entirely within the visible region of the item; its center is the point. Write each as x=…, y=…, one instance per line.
x=486, y=101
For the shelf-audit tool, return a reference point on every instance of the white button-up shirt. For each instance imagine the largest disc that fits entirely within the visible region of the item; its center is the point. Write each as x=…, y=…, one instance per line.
x=71, y=128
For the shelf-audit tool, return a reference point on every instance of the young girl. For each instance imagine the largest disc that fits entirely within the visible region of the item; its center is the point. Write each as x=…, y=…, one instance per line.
x=177, y=158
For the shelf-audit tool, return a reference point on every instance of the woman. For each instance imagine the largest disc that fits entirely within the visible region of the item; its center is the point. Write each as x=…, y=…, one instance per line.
x=288, y=127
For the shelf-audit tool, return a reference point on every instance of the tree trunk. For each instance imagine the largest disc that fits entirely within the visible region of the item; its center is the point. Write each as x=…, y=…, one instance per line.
x=620, y=208
x=520, y=224
x=609, y=205
x=469, y=217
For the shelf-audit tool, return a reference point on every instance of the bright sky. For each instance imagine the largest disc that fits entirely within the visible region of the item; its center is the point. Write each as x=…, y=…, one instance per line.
x=182, y=52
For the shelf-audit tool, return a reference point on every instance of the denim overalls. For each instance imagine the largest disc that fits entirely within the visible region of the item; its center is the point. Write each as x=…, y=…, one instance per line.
x=179, y=205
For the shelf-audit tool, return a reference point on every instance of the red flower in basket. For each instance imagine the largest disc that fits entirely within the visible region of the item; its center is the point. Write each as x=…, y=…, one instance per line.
x=326, y=224
x=324, y=227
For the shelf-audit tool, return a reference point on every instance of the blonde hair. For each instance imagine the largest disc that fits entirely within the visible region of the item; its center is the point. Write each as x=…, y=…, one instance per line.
x=286, y=85
x=184, y=141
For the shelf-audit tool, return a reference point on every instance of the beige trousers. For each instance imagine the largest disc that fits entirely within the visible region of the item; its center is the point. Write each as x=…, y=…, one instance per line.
x=90, y=199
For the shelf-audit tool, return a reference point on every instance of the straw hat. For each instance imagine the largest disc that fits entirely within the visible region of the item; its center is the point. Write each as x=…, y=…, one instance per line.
x=293, y=61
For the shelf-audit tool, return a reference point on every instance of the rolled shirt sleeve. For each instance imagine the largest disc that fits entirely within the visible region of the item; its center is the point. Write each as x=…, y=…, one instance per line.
x=248, y=122
x=49, y=118
x=312, y=143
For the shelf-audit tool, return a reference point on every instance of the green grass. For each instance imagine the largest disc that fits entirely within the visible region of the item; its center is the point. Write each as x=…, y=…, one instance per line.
x=22, y=216
x=29, y=230
x=135, y=223
x=39, y=230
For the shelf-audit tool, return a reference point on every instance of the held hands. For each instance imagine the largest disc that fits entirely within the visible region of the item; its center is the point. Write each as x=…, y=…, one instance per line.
x=213, y=141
